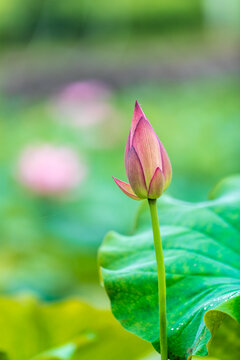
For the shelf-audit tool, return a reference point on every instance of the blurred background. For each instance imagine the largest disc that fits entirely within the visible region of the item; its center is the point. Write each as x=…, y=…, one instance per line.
x=70, y=72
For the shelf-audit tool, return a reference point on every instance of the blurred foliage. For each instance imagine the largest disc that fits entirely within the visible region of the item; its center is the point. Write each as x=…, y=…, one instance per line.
x=60, y=18
x=68, y=330
x=201, y=245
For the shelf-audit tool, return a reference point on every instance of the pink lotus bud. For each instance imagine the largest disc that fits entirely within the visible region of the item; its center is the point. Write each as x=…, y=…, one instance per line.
x=147, y=164
x=50, y=170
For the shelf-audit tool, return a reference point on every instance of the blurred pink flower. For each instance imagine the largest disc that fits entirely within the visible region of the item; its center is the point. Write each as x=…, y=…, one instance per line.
x=84, y=103
x=49, y=169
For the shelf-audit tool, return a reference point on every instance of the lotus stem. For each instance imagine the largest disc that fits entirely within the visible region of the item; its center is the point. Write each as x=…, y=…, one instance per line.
x=161, y=279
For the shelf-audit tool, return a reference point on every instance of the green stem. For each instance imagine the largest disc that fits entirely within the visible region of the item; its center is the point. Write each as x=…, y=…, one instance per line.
x=161, y=279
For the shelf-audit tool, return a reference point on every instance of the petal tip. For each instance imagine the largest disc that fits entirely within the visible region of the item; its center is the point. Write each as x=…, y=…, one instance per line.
x=138, y=110
x=126, y=188
x=137, y=105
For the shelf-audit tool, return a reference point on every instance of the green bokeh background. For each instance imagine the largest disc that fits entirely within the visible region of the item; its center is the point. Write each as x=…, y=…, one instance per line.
x=179, y=59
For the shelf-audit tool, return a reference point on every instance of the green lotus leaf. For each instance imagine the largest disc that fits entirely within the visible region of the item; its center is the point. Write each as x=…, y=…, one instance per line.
x=201, y=244
x=225, y=336
x=67, y=330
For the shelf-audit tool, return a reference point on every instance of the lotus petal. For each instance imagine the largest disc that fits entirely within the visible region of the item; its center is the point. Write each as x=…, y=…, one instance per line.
x=156, y=185
x=146, y=144
x=137, y=115
x=135, y=174
x=126, y=188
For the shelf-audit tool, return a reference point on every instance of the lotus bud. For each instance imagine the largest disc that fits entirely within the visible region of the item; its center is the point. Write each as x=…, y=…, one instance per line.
x=147, y=164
